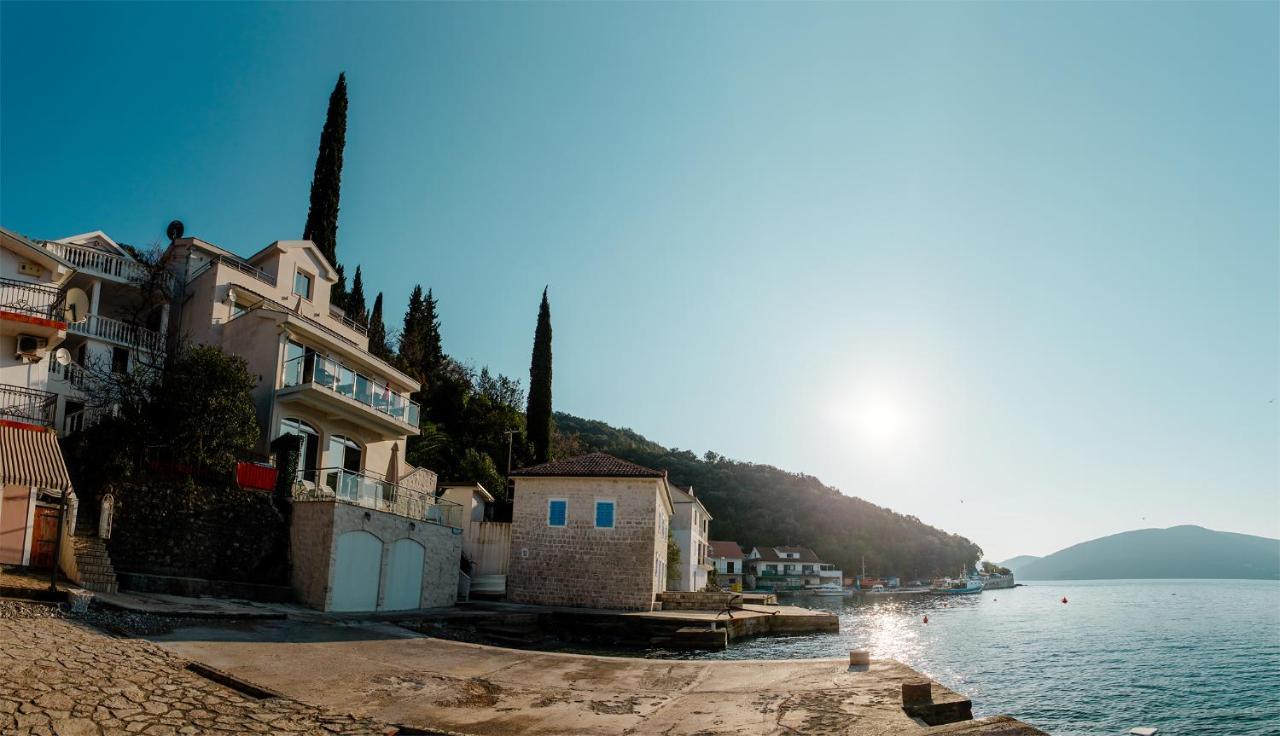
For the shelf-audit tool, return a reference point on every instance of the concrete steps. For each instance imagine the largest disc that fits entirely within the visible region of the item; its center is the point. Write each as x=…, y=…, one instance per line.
x=92, y=560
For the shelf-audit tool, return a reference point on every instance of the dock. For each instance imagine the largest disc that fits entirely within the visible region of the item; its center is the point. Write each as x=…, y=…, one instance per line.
x=427, y=685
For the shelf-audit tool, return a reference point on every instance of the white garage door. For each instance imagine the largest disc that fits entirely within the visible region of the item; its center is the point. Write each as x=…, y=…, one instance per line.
x=404, y=576
x=355, y=575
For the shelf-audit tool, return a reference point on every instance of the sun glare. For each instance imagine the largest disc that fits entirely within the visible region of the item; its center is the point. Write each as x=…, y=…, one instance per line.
x=878, y=419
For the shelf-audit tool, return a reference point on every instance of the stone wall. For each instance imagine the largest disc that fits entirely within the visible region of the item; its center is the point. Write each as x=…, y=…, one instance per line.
x=578, y=564
x=181, y=528
x=317, y=525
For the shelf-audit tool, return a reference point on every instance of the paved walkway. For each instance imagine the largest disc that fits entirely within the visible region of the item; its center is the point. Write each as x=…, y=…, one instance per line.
x=390, y=674
x=59, y=676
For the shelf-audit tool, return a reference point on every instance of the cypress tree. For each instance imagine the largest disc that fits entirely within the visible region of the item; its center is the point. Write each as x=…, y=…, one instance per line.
x=538, y=412
x=432, y=352
x=355, y=300
x=413, y=338
x=326, y=185
x=378, y=331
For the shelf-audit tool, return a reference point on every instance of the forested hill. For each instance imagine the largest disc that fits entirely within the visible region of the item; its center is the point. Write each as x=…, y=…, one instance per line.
x=757, y=505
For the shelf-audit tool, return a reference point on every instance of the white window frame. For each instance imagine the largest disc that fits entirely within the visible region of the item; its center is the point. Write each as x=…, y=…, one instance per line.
x=565, y=501
x=595, y=516
x=311, y=284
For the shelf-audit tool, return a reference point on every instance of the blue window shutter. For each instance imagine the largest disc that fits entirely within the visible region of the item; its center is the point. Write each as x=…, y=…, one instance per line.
x=604, y=514
x=556, y=513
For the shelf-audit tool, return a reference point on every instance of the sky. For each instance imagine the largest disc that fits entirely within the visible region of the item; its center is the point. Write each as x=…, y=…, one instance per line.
x=1011, y=268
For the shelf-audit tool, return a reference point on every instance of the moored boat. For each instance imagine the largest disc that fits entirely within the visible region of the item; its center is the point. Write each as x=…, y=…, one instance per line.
x=963, y=586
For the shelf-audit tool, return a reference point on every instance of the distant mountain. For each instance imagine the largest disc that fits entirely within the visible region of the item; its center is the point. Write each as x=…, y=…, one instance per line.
x=1176, y=552
x=758, y=505
x=1017, y=563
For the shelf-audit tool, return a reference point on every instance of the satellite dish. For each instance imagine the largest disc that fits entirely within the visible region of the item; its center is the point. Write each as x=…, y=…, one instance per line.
x=76, y=309
x=175, y=229
x=62, y=356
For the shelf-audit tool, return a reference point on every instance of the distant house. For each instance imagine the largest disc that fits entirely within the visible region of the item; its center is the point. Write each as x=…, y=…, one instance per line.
x=689, y=524
x=790, y=568
x=589, y=531
x=472, y=497
x=728, y=559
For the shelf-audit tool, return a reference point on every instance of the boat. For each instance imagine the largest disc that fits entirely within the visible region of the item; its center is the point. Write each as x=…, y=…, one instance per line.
x=829, y=589
x=963, y=586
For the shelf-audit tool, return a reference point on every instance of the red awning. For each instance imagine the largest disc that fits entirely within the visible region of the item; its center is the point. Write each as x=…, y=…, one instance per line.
x=30, y=456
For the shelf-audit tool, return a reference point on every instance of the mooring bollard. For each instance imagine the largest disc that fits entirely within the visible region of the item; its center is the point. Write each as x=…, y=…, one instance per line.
x=916, y=692
x=859, y=657
x=79, y=600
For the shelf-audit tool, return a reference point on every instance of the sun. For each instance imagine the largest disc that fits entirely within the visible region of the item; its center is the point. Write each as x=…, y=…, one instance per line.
x=878, y=419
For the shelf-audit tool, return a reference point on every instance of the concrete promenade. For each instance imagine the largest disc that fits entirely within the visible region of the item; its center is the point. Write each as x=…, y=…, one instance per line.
x=388, y=674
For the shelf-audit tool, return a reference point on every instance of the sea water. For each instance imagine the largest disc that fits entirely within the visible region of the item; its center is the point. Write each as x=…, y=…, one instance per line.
x=1187, y=656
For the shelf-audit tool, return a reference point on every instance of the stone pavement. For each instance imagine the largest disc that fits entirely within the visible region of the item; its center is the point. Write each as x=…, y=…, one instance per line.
x=61, y=676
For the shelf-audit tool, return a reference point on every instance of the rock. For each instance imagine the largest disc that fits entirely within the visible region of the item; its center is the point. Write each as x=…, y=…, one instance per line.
x=75, y=727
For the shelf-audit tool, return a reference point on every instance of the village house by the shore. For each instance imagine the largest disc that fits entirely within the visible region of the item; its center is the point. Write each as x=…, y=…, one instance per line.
x=789, y=568
x=728, y=559
x=690, y=521
x=590, y=532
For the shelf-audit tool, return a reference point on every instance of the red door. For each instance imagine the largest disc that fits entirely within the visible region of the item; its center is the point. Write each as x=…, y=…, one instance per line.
x=45, y=537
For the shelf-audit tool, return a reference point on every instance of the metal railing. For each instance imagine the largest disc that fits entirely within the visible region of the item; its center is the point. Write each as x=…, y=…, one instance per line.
x=358, y=489
x=27, y=405
x=86, y=258
x=349, y=323
x=36, y=300
x=124, y=333
x=327, y=373
x=238, y=265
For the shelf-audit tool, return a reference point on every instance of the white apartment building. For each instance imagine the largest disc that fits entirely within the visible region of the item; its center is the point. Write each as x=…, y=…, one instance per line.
x=690, y=523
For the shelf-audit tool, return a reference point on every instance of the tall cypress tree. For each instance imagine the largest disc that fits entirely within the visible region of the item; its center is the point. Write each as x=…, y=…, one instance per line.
x=432, y=352
x=326, y=186
x=413, y=338
x=378, y=331
x=355, y=300
x=538, y=412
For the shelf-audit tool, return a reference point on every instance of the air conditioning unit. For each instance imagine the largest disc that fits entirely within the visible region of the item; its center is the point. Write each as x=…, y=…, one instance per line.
x=29, y=347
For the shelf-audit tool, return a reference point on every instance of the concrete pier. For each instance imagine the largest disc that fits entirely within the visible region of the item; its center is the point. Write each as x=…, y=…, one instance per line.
x=385, y=672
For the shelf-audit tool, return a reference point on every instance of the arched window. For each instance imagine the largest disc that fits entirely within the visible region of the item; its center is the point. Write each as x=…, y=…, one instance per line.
x=310, y=456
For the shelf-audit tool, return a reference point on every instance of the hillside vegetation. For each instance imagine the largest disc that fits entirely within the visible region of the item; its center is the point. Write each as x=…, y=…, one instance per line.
x=1176, y=552
x=763, y=505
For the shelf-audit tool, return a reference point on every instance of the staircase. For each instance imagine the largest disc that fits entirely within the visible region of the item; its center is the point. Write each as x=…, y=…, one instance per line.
x=93, y=564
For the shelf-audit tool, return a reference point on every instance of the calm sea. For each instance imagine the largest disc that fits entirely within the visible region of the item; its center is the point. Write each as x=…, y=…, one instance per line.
x=1187, y=656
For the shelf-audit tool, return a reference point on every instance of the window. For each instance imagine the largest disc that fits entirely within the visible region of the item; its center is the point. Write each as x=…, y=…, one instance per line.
x=728, y=566
x=302, y=284
x=237, y=309
x=309, y=457
x=119, y=360
x=604, y=514
x=557, y=512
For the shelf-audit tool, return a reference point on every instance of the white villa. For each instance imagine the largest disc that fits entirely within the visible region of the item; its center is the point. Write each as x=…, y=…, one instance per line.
x=689, y=524
x=729, y=561
x=790, y=568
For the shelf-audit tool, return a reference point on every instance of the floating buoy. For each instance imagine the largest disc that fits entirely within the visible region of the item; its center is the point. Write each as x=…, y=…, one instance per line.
x=1064, y=599
x=926, y=619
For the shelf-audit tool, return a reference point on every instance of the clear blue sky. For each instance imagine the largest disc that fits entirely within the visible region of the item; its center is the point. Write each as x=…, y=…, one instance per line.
x=1010, y=268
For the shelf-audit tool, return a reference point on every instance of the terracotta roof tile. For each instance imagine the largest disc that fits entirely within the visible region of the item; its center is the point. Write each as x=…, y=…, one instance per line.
x=595, y=465
x=730, y=550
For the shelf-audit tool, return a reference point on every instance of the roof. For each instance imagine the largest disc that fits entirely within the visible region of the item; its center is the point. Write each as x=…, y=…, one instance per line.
x=594, y=465
x=774, y=554
x=29, y=456
x=112, y=246
x=725, y=549
x=471, y=486
x=35, y=250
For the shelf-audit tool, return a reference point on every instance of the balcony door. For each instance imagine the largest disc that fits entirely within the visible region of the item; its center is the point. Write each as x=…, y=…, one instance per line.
x=309, y=459
x=344, y=459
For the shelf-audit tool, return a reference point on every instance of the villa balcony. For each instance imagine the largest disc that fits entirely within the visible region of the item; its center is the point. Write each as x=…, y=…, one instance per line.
x=33, y=309
x=358, y=489
x=101, y=263
x=120, y=333
x=331, y=387
x=27, y=406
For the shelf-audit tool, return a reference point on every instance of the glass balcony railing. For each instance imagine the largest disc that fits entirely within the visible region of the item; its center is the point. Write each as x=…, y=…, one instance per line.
x=338, y=378
x=358, y=489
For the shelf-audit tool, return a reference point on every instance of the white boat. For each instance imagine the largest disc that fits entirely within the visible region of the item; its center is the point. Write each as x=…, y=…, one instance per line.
x=830, y=589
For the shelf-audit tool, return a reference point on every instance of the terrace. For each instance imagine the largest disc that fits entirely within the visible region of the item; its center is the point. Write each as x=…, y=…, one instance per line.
x=360, y=489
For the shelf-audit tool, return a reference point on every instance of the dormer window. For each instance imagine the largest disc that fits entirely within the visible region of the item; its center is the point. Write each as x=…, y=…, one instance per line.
x=302, y=284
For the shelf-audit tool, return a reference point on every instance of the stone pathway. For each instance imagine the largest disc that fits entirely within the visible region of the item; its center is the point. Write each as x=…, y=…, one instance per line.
x=58, y=675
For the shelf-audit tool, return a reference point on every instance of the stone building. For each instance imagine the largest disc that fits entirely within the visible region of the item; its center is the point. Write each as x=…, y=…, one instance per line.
x=589, y=532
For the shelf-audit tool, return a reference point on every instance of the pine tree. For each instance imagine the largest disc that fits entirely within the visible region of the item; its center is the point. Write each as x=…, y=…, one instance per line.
x=538, y=411
x=326, y=185
x=378, y=331
x=355, y=300
x=413, y=338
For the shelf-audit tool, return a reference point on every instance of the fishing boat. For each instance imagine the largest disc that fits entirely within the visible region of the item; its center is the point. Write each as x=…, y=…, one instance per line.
x=963, y=586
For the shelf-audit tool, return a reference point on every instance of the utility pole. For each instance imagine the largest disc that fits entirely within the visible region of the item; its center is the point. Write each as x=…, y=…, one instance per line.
x=511, y=433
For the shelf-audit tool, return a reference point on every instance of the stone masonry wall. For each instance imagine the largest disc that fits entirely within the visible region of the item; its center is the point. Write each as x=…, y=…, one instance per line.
x=314, y=543
x=577, y=564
